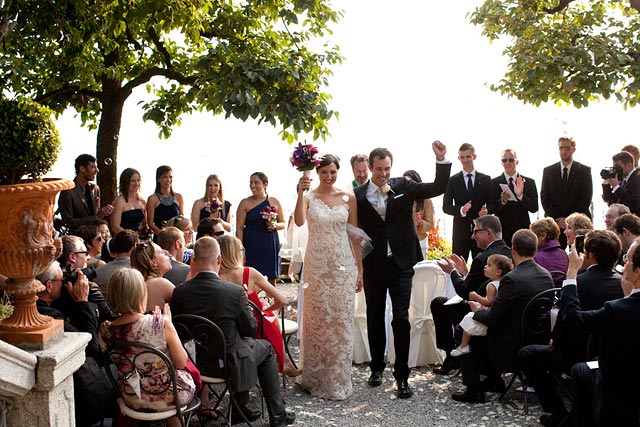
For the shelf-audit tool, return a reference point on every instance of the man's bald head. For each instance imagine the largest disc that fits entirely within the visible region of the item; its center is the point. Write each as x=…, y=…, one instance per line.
x=206, y=254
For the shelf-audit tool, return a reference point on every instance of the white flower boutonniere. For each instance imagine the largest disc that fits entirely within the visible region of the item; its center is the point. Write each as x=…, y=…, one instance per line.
x=385, y=188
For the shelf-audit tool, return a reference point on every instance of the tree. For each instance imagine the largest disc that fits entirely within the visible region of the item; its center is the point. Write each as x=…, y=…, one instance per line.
x=243, y=59
x=567, y=51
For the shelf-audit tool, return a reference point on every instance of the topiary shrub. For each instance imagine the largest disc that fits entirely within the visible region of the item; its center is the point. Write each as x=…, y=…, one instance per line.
x=29, y=141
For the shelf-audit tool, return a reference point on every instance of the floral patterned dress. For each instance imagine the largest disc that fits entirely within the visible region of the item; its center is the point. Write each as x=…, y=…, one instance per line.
x=150, y=393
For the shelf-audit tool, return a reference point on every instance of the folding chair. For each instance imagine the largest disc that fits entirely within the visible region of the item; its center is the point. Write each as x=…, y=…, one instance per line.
x=146, y=361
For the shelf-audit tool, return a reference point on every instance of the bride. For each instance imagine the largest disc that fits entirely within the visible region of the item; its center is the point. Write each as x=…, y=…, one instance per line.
x=333, y=273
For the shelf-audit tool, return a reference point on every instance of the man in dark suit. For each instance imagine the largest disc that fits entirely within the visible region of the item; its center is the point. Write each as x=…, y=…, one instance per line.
x=81, y=204
x=385, y=213
x=567, y=187
x=497, y=352
x=597, y=285
x=625, y=187
x=488, y=236
x=467, y=196
x=171, y=239
x=514, y=196
x=616, y=324
x=123, y=244
x=226, y=304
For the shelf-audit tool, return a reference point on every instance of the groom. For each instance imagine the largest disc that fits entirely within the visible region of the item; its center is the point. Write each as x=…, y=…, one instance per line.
x=385, y=214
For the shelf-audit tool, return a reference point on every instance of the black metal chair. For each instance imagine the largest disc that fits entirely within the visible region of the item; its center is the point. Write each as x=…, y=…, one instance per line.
x=134, y=358
x=210, y=357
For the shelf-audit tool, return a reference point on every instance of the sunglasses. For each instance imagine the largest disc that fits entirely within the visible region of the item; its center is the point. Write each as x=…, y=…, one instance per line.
x=218, y=233
x=508, y=160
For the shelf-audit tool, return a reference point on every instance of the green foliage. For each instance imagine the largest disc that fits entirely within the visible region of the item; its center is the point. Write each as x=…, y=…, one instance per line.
x=6, y=306
x=29, y=141
x=567, y=51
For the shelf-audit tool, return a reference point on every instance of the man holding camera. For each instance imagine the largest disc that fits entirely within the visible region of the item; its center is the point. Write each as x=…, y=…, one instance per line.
x=622, y=182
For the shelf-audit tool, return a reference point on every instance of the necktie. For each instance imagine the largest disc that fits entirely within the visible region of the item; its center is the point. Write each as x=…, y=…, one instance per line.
x=469, y=183
x=87, y=196
x=513, y=190
x=381, y=208
x=565, y=177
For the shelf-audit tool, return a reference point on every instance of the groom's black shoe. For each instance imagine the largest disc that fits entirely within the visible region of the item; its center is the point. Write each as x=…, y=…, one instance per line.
x=375, y=379
x=449, y=364
x=469, y=397
x=403, y=391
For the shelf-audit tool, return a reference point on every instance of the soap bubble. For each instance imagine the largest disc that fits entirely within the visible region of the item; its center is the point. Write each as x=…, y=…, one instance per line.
x=305, y=285
x=108, y=161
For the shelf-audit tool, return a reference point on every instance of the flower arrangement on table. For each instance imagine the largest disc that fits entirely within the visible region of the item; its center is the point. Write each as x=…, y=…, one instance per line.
x=438, y=247
x=305, y=158
x=270, y=216
x=214, y=207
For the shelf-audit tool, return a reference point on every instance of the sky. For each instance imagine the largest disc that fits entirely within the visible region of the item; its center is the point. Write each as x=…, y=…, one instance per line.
x=414, y=72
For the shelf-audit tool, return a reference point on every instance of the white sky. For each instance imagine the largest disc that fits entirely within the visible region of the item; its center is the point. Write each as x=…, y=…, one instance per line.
x=414, y=71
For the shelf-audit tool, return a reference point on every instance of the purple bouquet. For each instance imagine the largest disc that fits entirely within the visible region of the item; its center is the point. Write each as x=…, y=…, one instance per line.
x=304, y=157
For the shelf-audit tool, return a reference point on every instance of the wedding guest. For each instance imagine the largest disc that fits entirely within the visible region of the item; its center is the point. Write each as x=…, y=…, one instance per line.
x=103, y=228
x=184, y=224
x=211, y=227
x=130, y=207
x=81, y=204
x=427, y=213
x=566, y=188
x=574, y=222
x=94, y=241
x=232, y=270
x=550, y=254
x=360, y=169
x=623, y=187
x=128, y=294
x=153, y=262
x=616, y=210
x=123, y=244
x=171, y=240
x=466, y=199
x=634, y=151
x=164, y=203
x=212, y=205
x=259, y=235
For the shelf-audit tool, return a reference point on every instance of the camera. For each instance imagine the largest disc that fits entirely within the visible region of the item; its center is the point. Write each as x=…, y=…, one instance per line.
x=71, y=275
x=611, y=172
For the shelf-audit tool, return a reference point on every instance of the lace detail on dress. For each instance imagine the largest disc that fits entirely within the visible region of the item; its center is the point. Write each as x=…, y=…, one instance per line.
x=330, y=271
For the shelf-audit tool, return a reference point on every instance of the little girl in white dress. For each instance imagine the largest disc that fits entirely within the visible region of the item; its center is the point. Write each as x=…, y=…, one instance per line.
x=497, y=266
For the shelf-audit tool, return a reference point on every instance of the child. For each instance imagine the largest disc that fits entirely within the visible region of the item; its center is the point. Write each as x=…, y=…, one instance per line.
x=497, y=266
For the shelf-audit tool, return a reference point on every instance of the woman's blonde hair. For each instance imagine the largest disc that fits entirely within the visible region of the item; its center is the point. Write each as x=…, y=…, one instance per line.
x=127, y=292
x=141, y=258
x=547, y=227
x=579, y=221
x=216, y=178
x=230, y=252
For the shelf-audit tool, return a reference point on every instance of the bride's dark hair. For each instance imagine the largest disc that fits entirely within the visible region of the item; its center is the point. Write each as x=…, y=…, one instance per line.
x=327, y=159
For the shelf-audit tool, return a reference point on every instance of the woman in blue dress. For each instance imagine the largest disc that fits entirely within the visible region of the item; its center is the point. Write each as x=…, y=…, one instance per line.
x=164, y=203
x=259, y=235
x=206, y=206
x=129, y=208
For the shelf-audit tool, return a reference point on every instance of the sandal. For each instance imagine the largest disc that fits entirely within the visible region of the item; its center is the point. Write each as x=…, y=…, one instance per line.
x=206, y=414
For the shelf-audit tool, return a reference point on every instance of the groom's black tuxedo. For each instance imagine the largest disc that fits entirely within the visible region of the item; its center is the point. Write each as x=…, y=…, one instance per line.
x=382, y=272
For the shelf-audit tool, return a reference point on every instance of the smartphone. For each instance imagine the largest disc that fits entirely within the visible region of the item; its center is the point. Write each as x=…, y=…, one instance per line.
x=580, y=243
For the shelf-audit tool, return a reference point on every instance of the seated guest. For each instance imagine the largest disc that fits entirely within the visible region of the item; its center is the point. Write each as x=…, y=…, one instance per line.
x=129, y=212
x=550, y=254
x=172, y=240
x=627, y=228
x=183, y=224
x=247, y=358
x=616, y=210
x=92, y=238
x=233, y=270
x=598, y=284
x=496, y=353
x=574, y=222
x=488, y=236
x=128, y=296
x=153, y=262
x=211, y=227
x=616, y=324
x=123, y=244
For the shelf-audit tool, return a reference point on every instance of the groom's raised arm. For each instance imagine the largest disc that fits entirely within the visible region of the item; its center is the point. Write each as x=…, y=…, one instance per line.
x=443, y=171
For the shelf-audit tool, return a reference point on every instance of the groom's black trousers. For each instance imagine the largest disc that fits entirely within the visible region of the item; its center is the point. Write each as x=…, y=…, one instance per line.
x=380, y=276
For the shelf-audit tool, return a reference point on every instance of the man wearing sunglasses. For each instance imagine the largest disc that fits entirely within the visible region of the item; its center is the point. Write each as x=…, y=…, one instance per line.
x=514, y=196
x=171, y=239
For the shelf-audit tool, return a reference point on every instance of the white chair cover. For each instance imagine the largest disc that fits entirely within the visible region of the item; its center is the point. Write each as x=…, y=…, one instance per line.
x=428, y=282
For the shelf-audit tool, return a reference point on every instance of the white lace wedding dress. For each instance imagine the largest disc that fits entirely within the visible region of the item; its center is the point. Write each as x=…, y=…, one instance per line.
x=330, y=274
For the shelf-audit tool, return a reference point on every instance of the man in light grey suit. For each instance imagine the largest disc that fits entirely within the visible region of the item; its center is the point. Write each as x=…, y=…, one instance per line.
x=123, y=244
x=171, y=239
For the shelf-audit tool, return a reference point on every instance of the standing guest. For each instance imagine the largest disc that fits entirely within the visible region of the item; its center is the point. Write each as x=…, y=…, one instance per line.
x=81, y=204
x=153, y=262
x=549, y=254
x=248, y=359
x=623, y=186
x=466, y=198
x=333, y=271
x=128, y=295
x=171, y=240
x=184, y=224
x=259, y=235
x=129, y=212
x=93, y=240
x=513, y=204
x=211, y=227
x=360, y=168
x=616, y=210
x=576, y=224
x=385, y=214
x=123, y=244
x=634, y=151
x=497, y=352
x=164, y=203
x=212, y=205
x=567, y=187
x=232, y=270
